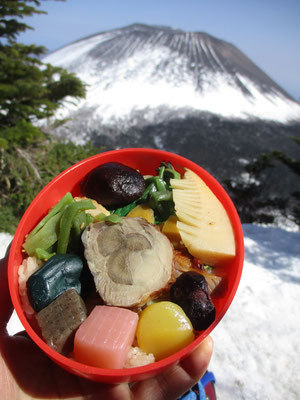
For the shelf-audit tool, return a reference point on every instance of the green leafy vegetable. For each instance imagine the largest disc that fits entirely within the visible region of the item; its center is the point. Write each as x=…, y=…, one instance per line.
x=45, y=237
x=157, y=195
x=55, y=227
x=161, y=199
x=42, y=254
x=123, y=211
x=67, y=220
x=81, y=221
x=208, y=268
x=113, y=218
x=67, y=199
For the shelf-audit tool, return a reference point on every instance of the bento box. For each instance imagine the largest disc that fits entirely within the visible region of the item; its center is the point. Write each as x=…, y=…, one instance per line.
x=229, y=269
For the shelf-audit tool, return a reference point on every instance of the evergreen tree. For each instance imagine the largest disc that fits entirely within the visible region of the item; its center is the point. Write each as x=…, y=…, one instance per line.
x=29, y=89
x=246, y=194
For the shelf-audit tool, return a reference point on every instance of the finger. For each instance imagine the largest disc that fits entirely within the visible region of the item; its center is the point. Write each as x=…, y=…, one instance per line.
x=177, y=380
x=196, y=365
x=96, y=391
x=5, y=301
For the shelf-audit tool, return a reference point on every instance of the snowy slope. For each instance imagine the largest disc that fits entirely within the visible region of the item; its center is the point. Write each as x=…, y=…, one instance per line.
x=257, y=353
x=147, y=74
x=256, y=345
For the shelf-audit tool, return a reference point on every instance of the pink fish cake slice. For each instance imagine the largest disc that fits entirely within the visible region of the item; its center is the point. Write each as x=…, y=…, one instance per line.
x=105, y=337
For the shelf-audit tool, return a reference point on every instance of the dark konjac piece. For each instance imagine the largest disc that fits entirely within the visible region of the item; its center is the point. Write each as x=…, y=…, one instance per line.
x=190, y=292
x=60, y=320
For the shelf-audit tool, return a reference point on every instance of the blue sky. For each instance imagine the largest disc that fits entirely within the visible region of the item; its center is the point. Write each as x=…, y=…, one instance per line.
x=267, y=31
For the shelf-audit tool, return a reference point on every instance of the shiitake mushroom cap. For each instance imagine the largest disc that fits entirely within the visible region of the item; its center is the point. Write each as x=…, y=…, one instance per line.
x=113, y=184
x=190, y=292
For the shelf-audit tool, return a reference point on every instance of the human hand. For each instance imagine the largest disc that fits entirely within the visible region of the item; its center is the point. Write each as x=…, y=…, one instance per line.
x=26, y=372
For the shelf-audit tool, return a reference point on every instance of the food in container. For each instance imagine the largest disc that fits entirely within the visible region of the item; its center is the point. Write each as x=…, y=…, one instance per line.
x=165, y=211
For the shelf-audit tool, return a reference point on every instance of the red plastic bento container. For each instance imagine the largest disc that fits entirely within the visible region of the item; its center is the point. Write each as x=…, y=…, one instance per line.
x=146, y=161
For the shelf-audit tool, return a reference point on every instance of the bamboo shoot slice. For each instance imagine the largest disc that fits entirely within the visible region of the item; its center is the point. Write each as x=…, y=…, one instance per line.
x=203, y=223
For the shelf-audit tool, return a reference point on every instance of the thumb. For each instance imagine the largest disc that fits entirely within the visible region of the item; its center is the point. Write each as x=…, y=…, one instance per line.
x=5, y=300
x=177, y=380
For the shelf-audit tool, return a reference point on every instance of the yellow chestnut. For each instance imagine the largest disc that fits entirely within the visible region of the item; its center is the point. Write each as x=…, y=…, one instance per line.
x=163, y=329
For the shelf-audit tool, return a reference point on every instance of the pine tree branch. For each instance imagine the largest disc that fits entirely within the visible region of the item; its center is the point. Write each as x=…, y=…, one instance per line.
x=26, y=157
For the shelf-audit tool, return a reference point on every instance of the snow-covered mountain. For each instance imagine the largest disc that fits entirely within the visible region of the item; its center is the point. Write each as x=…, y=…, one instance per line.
x=188, y=93
x=140, y=75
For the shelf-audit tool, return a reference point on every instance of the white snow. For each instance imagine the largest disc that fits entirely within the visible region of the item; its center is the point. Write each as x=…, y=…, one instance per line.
x=257, y=352
x=70, y=54
x=155, y=77
x=256, y=344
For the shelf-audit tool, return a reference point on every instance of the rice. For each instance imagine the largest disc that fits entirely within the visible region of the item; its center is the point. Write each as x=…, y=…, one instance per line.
x=137, y=358
x=26, y=269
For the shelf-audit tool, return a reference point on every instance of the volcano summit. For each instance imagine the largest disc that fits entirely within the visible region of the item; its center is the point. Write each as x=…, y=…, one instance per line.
x=140, y=75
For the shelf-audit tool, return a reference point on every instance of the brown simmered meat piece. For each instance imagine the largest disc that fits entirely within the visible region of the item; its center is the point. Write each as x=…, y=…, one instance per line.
x=131, y=261
x=60, y=320
x=190, y=292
